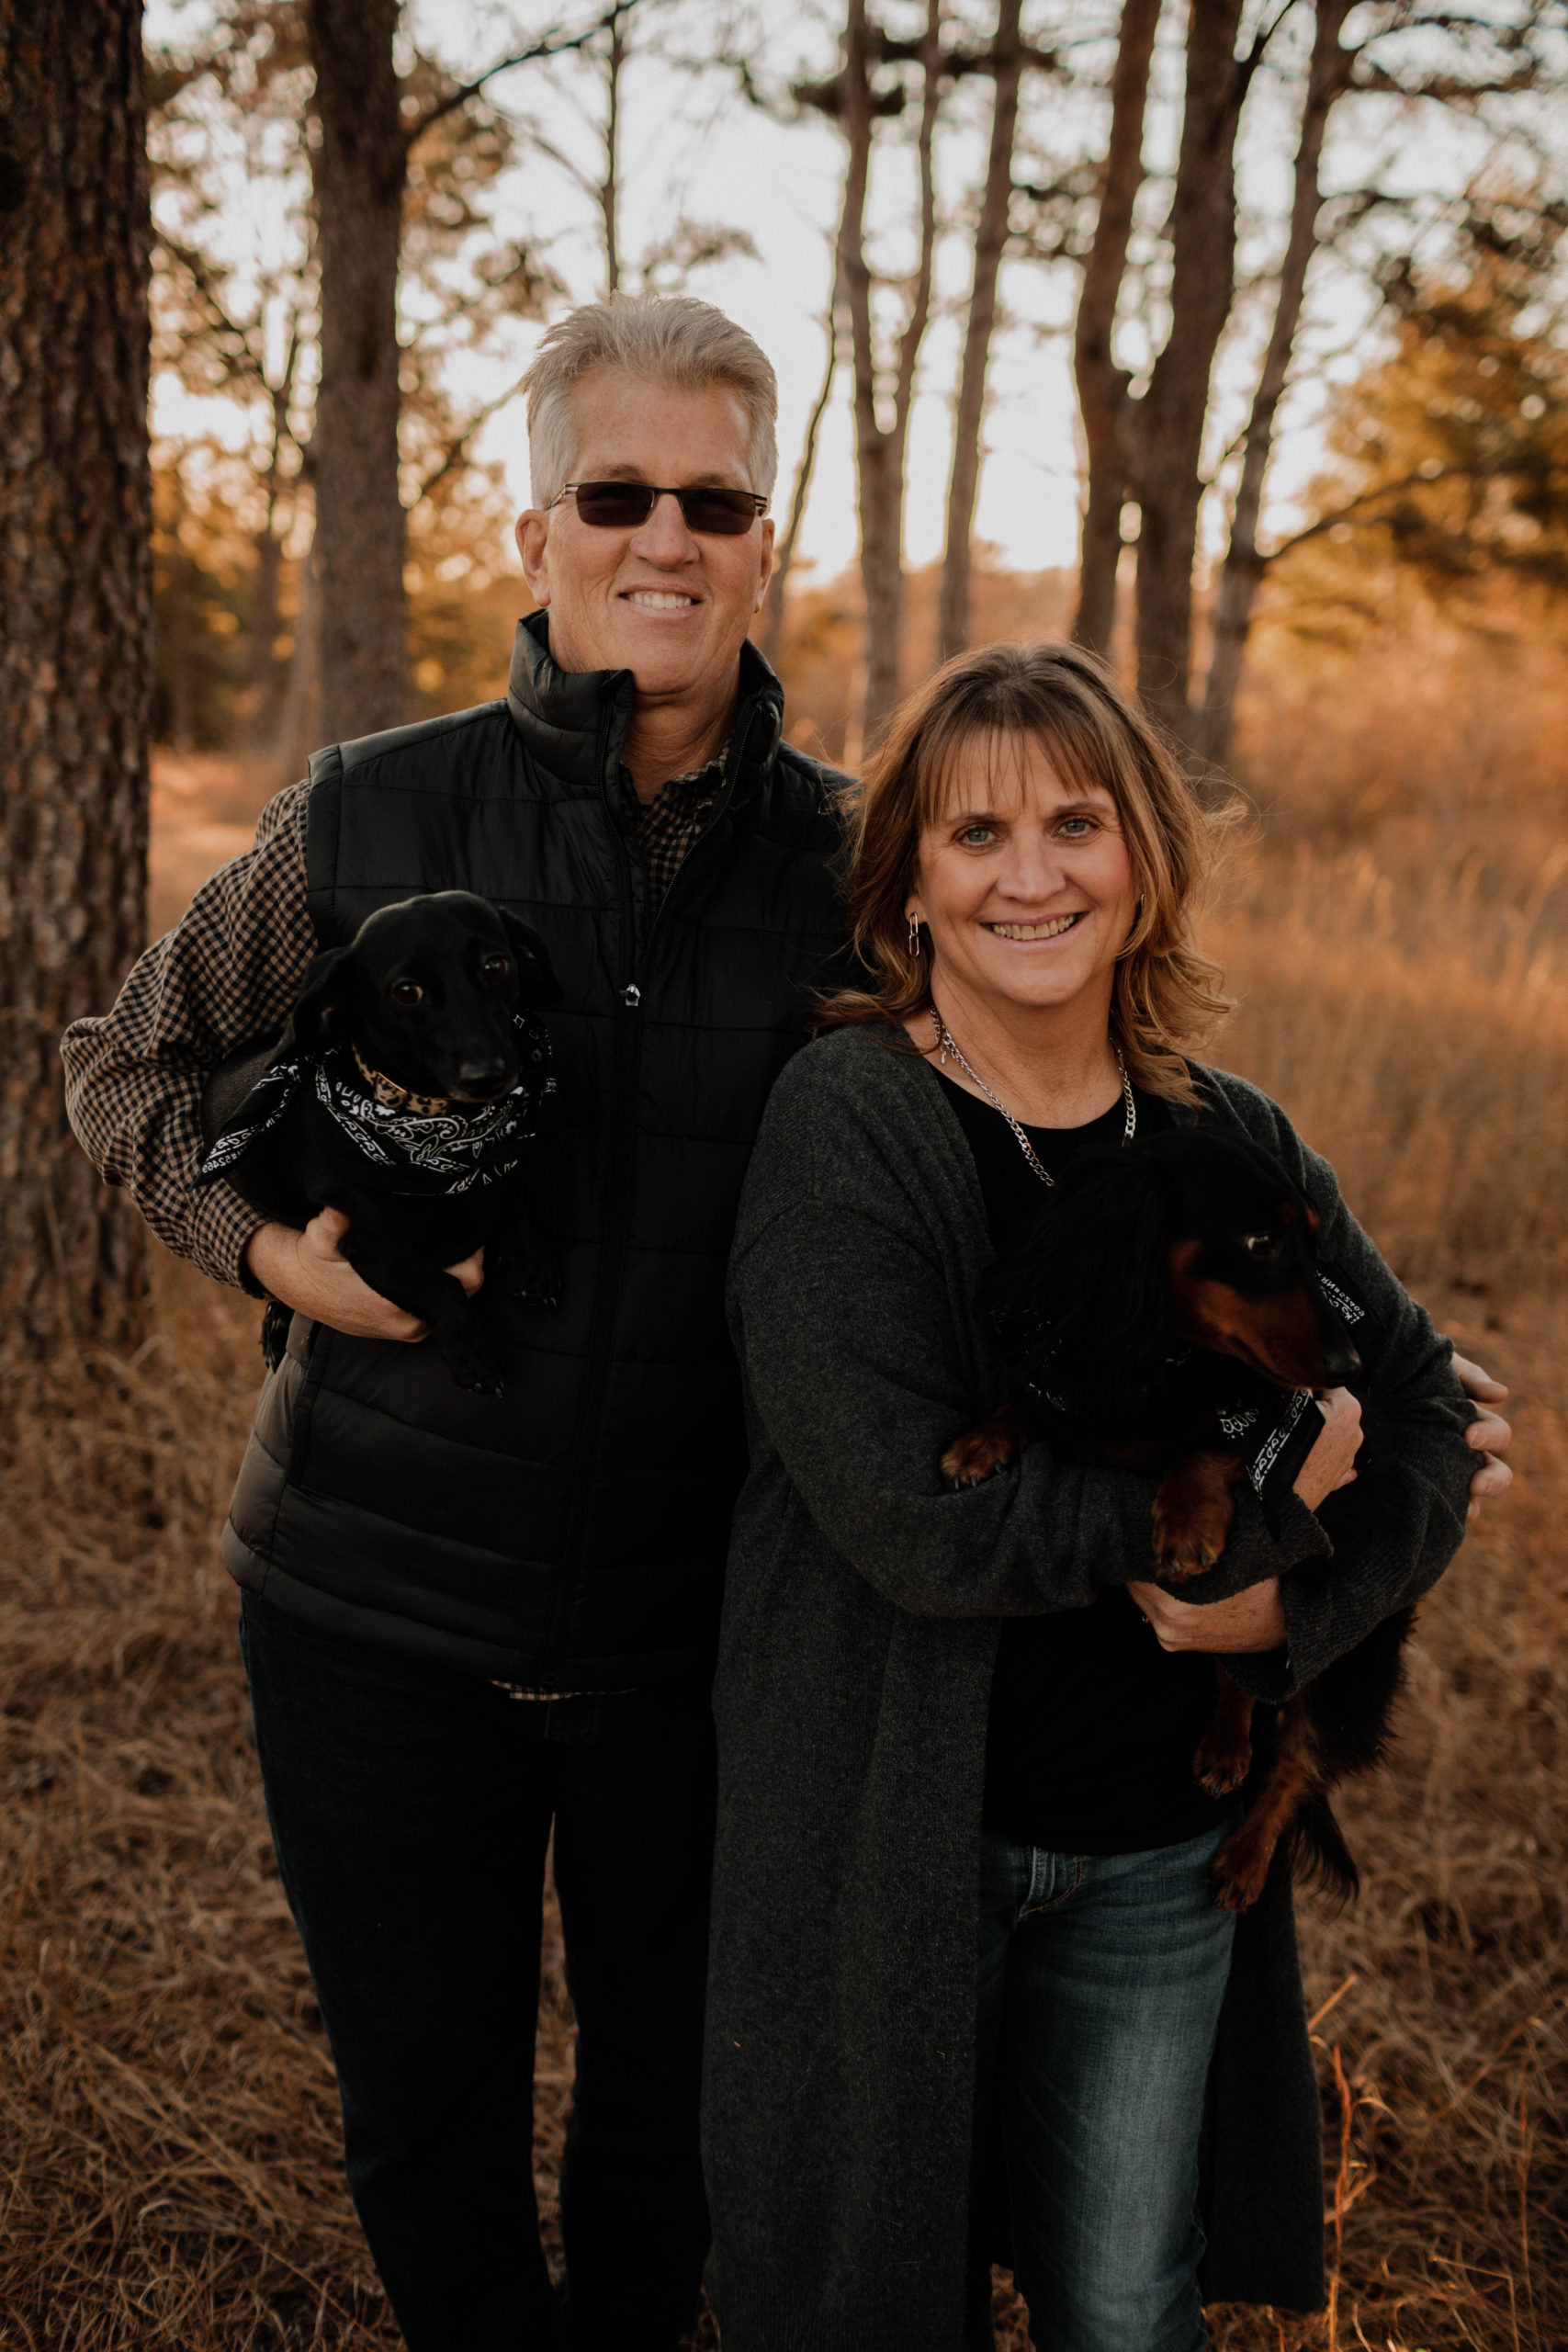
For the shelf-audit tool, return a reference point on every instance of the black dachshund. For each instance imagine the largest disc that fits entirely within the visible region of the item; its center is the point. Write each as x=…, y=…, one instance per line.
x=1167, y=1313
x=407, y=1090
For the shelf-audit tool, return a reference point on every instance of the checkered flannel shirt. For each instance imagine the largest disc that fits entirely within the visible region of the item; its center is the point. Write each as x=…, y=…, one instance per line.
x=229, y=972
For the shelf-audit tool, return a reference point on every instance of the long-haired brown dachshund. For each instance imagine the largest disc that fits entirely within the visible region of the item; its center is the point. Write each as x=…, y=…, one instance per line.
x=1167, y=1313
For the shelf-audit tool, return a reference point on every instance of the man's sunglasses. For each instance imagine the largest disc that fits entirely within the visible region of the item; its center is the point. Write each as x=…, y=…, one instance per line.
x=622, y=506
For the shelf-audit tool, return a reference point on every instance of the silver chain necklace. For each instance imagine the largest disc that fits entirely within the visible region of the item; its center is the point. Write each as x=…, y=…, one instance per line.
x=947, y=1044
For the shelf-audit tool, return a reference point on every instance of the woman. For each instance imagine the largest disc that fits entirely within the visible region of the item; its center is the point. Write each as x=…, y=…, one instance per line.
x=932, y=1701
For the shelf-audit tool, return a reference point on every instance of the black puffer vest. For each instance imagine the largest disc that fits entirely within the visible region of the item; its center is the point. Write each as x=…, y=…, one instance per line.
x=570, y=1533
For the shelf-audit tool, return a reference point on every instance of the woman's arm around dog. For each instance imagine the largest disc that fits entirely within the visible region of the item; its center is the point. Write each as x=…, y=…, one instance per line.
x=861, y=1240
x=1397, y=1526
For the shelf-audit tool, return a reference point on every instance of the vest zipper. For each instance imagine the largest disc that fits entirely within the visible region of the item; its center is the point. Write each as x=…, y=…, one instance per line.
x=618, y=1200
x=619, y=1190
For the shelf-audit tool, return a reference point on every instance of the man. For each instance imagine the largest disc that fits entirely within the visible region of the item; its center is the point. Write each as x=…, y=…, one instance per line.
x=469, y=1620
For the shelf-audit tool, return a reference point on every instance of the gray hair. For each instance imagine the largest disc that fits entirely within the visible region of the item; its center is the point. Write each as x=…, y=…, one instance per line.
x=667, y=339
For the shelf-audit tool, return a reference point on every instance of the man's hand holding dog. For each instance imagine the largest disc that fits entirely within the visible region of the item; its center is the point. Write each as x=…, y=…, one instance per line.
x=308, y=1272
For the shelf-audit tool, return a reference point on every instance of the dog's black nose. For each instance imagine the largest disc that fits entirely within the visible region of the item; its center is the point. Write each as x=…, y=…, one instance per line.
x=1341, y=1361
x=485, y=1076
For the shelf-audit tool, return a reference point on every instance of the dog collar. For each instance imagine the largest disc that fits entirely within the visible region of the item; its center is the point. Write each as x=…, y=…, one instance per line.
x=393, y=1097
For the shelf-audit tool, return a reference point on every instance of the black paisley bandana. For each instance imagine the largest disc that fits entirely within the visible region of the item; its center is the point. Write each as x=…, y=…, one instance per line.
x=425, y=1152
x=1274, y=1452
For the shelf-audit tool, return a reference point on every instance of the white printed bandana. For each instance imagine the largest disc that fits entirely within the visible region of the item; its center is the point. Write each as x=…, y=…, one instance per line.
x=1274, y=1452
x=425, y=1152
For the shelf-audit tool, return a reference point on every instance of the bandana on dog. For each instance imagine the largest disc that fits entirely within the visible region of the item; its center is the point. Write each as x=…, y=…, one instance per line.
x=1273, y=1449
x=445, y=1152
x=1274, y=1452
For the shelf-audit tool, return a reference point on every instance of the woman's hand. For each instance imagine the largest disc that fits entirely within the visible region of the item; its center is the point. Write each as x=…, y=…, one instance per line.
x=1253, y=1620
x=1332, y=1462
x=308, y=1271
x=1488, y=1433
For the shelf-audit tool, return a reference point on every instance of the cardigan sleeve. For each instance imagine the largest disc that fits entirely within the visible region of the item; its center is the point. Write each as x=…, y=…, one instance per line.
x=845, y=1326
x=1397, y=1528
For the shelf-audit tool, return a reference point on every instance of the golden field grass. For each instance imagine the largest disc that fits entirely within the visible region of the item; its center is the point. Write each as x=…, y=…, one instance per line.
x=168, y=2155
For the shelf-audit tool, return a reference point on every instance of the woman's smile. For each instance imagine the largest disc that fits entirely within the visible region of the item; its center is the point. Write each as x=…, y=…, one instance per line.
x=1033, y=933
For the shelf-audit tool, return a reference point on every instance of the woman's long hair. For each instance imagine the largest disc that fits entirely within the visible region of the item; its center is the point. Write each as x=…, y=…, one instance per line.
x=1166, y=998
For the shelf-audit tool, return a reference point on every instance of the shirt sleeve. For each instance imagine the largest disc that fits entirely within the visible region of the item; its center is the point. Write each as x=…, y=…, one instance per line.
x=227, y=973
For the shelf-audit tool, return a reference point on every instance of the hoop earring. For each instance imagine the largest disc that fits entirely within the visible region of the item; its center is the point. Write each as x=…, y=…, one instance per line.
x=914, y=937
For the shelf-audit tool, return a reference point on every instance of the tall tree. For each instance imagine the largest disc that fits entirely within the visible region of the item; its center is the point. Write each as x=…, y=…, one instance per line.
x=75, y=633
x=990, y=243
x=1163, y=431
x=770, y=634
x=361, y=167
x=1147, y=448
x=1100, y=385
x=881, y=449
x=1328, y=78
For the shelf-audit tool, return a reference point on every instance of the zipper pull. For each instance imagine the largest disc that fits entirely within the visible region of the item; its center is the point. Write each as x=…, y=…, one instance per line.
x=631, y=996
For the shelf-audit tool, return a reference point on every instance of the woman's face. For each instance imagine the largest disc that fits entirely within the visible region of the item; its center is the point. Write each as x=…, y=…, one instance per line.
x=1025, y=881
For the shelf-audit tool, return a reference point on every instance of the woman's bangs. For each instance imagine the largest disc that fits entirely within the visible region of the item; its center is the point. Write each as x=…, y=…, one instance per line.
x=948, y=778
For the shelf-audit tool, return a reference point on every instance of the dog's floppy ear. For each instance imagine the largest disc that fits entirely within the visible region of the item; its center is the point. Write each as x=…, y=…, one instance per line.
x=324, y=984
x=536, y=982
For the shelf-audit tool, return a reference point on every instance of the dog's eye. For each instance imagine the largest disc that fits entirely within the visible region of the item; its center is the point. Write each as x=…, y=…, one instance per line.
x=494, y=967
x=1261, y=1245
x=405, y=993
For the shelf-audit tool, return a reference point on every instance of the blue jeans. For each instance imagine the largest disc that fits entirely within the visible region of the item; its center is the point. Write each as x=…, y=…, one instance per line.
x=1100, y=1980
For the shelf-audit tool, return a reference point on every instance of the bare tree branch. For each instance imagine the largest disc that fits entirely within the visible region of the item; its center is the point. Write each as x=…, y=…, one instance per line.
x=554, y=44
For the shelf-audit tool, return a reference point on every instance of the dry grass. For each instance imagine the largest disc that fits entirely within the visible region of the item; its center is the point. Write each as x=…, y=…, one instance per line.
x=168, y=2121
x=168, y=2150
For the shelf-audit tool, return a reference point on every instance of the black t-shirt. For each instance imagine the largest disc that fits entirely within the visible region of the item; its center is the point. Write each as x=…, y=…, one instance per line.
x=1093, y=1727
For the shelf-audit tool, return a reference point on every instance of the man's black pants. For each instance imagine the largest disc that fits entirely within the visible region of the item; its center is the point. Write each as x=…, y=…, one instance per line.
x=410, y=1808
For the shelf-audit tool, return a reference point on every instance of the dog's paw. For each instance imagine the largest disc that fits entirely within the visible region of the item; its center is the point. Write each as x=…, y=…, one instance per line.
x=1239, y=1871
x=1189, y=1531
x=530, y=1285
x=479, y=1376
x=1182, y=1550
x=972, y=1458
x=1222, y=1762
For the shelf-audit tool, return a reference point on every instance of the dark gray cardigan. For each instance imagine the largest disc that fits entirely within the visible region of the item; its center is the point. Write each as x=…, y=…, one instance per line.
x=861, y=1623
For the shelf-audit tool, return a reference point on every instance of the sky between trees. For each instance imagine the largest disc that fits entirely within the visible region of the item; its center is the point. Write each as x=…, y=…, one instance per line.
x=692, y=147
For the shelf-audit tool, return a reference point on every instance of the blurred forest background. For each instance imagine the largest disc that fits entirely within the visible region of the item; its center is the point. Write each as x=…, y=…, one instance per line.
x=1273, y=292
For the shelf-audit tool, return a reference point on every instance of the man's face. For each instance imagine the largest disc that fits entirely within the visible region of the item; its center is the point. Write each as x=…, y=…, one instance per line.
x=669, y=605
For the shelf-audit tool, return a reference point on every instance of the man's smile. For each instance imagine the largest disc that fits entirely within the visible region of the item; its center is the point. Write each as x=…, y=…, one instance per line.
x=659, y=600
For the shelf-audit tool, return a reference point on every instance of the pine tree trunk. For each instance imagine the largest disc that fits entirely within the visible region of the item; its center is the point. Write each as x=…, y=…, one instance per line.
x=1172, y=412
x=75, y=636
x=1102, y=385
x=881, y=451
x=770, y=637
x=990, y=243
x=1243, y=573
x=360, y=169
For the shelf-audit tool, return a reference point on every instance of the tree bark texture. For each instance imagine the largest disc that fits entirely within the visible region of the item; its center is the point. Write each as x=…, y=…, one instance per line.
x=880, y=451
x=1327, y=79
x=360, y=171
x=771, y=635
x=75, y=637
x=1167, y=482
x=1102, y=385
x=990, y=243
